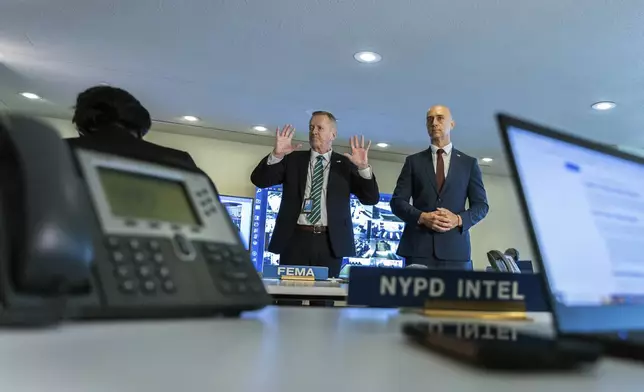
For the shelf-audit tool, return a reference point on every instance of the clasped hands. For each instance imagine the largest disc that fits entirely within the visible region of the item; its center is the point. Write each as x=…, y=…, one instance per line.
x=441, y=220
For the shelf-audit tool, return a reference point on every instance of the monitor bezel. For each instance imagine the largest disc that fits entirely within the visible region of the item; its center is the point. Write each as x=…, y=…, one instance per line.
x=506, y=121
x=252, y=208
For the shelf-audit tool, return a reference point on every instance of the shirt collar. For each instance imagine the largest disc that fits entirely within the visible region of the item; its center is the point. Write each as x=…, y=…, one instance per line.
x=326, y=155
x=447, y=149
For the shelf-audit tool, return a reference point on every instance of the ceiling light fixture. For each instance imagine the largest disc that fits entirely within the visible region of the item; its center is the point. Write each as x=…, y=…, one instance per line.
x=190, y=118
x=603, y=105
x=487, y=160
x=30, y=96
x=260, y=128
x=382, y=145
x=367, y=57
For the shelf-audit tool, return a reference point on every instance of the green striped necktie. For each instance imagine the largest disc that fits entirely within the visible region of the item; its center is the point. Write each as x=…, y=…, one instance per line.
x=316, y=191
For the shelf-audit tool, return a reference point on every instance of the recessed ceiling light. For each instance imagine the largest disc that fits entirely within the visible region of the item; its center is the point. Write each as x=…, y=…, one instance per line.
x=30, y=95
x=382, y=145
x=190, y=118
x=260, y=128
x=367, y=57
x=487, y=159
x=603, y=105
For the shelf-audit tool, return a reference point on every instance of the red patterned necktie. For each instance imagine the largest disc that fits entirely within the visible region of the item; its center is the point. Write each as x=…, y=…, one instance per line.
x=440, y=169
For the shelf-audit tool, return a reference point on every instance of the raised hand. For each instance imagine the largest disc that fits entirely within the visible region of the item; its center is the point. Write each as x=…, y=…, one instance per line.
x=284, y=141
x=359, y=153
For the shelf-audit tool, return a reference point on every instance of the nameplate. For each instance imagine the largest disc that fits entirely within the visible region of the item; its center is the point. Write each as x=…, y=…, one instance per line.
x=296, y=272
x=446, y=290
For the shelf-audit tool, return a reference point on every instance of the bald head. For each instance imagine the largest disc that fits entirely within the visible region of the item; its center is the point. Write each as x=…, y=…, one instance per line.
x=440, y=125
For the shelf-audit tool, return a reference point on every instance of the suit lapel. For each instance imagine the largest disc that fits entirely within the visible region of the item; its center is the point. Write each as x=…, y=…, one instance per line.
x=431, y=173
x=453, y=170
x=303, y=164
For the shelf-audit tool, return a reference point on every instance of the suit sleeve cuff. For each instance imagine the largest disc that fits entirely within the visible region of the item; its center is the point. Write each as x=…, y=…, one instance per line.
x=365, y=173
x=461, y=227
x=272, y=159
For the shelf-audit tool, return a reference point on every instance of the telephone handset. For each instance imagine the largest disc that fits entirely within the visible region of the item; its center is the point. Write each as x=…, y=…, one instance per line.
x=109, y=236
x=45, y=245
x=503, y=262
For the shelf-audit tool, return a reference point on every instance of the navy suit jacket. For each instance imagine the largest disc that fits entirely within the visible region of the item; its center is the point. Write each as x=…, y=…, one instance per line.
x=417, y=181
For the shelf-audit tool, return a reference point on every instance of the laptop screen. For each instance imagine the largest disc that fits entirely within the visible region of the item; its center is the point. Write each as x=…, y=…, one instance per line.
x=587, y=213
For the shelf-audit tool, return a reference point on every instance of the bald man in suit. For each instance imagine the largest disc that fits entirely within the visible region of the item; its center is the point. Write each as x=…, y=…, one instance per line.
x=439, y=181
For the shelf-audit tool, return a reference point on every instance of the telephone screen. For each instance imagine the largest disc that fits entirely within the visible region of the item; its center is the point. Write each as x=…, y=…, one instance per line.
x=142, y=197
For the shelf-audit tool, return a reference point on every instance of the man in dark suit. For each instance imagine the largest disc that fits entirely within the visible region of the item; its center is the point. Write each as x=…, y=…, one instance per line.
x=438, y=181
x=314, y=225
x=110, y=119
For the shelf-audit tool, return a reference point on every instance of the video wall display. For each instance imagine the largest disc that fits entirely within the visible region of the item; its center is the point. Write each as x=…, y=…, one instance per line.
x=376, y=231
x=240, y=210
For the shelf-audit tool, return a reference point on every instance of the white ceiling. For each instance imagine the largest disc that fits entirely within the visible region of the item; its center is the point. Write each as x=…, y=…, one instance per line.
x=238, y=63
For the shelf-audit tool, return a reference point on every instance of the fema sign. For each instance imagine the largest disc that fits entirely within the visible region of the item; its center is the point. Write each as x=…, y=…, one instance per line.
x=299, y=271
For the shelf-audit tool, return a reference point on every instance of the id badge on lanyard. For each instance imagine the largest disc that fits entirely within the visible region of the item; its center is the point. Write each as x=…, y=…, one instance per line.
x=307, y=207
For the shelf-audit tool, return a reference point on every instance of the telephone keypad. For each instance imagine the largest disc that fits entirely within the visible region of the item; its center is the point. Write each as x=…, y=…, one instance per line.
x=127, y=286
x=122, y=271
x=228, y=270
x=154, y=245
x=225, y=287
x=113, y=242
x=216, y=258
x=118, y=256
x=149, y=286
x=158, y=258
x=139, y=266
x=169, y=286
x=144, y=271
x=236, y=275
x=139, y=257
x=134, y=244
x=163, y=272
x=210, y=248
x=145, y=267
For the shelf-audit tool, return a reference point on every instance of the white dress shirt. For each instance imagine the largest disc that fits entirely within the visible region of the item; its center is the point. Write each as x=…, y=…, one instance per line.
x=447, y=156
x=326, y=157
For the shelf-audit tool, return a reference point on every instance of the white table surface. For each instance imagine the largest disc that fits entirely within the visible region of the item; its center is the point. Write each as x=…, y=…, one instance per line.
x=276, y=349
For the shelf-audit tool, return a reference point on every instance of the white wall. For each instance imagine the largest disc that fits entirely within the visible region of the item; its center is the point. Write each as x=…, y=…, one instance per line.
x=229, y=164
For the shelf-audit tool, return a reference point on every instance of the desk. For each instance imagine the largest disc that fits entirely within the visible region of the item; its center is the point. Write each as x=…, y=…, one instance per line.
x=303, y=290
x=275, y=349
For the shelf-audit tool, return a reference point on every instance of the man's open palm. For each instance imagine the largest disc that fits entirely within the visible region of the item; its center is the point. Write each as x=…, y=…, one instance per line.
x=284, y=141
x=359, y=153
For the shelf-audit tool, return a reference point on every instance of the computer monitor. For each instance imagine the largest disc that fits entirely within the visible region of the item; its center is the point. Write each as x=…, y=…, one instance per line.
x=377, y=231
x=584, y=208
x=240, y=210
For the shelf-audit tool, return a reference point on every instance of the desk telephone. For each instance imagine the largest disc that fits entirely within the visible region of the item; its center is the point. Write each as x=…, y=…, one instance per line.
x=90, y=234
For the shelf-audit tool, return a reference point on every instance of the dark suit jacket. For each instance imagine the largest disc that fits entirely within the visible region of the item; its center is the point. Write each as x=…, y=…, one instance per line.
x=121, y=143
x=417, y=180
x=344, y=179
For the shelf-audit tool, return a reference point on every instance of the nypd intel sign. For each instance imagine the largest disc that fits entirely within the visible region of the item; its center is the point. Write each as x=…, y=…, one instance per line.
x=296, y=271
x=393, y=288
